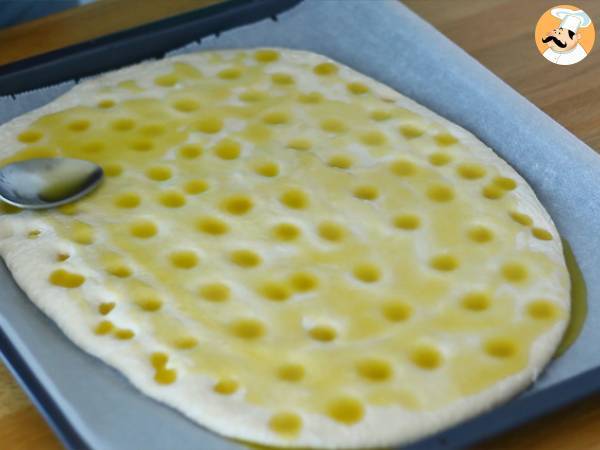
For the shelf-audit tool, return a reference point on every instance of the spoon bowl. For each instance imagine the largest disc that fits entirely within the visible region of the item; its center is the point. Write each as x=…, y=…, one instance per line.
x=43, y=183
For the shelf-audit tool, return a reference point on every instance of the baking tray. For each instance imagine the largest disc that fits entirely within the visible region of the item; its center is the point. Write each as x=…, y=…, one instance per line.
x=91, y=406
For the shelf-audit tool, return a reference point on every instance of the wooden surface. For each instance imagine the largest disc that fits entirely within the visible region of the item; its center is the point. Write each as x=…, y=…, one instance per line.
x=499, y=33
x=86, y=22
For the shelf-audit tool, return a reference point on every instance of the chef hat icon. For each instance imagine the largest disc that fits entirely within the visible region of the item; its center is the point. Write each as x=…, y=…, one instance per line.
x=571, y=20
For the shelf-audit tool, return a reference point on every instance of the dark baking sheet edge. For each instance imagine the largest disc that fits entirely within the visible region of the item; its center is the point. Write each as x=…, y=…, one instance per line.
x=40, y=398
x=152, y=40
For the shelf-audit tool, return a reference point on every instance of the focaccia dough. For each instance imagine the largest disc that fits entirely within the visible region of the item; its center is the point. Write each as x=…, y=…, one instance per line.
x=287, y=251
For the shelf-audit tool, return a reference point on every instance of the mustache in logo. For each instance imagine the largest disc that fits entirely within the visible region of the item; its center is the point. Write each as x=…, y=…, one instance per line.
x=556, y=41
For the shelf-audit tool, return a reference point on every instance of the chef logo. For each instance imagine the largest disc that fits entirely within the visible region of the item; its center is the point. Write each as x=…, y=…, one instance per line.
x=564, y=35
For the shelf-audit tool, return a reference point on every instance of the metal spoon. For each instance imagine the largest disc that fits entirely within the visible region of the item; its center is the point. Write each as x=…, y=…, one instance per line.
x=47, y=182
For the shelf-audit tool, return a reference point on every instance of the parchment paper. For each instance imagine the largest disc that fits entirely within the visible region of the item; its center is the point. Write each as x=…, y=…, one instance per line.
x=368, y=35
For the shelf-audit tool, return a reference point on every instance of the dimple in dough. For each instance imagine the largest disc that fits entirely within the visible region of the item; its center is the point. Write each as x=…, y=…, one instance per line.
x=287, y=251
